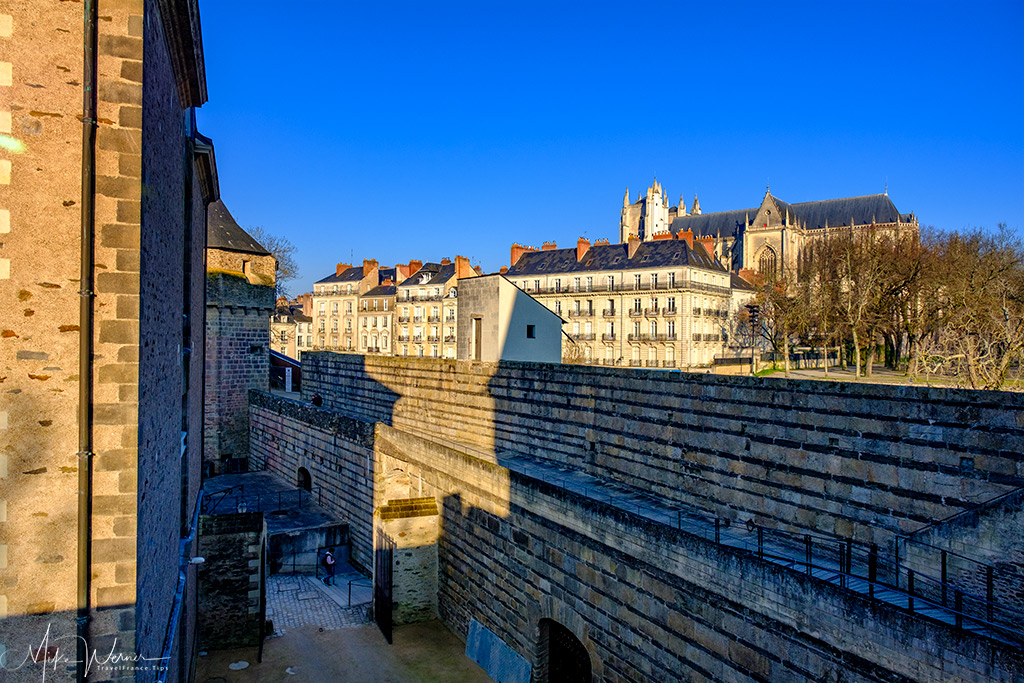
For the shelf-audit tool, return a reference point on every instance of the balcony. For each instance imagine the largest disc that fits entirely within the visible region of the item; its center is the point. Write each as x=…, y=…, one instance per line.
x=635, y=312
x=652, y=364
x=583, y=336
x=696, y=311
x=434, y=338
x=648, y=337
x=608, y=337
x=403, y=318
x=450, y=319
x=670, y=311
x=670, y=364
x=417, y=318
x=418, y=340
x=697, y=337
x=652, y=312
x=403, y=338
x=609, y=313
x=581, y=314
x=712, y=337
x=449, y=340
x=434, y=319
x=635, y=363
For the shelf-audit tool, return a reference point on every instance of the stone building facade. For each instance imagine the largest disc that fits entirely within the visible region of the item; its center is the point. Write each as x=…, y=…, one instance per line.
x=239, y=301
x=427, y=304
x=764, y=238
x=291, y=326
x=102, y=288
x=664, y=303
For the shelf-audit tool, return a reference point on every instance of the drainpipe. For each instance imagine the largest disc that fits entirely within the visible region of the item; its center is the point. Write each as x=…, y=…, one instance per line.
x=85, y=331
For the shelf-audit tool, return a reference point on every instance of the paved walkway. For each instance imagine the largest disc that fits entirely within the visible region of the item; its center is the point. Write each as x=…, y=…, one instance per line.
x=296, y=600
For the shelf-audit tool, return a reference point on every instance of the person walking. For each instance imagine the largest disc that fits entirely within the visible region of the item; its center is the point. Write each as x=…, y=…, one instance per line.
x=329, y=564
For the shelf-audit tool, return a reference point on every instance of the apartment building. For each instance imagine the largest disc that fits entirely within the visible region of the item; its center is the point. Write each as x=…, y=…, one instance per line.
x=662, y=303
x=427, y=304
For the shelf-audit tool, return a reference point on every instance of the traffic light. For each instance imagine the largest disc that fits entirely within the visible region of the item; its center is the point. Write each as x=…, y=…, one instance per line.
x=753, y=310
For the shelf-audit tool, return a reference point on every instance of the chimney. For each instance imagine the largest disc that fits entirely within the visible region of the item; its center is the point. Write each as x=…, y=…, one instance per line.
x=634, y=244
x=414, y=266
x=462, y=268
x=518, y=250
x=446, y=261
x=342, y=267
x=548, y=246
x=478, y=270
x=388, y=282
x=582, y=246
x=688, y=236
x=601, y=243
x=663, y=235
x=750, y=275
x=503, y=270
x=369, y=265
x=401, y=272
x=708, y=242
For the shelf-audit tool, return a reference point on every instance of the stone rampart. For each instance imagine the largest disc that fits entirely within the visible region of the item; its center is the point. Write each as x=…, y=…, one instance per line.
x=856, y=460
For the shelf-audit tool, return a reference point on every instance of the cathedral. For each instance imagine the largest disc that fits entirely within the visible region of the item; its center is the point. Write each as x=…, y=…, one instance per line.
x=762, y=238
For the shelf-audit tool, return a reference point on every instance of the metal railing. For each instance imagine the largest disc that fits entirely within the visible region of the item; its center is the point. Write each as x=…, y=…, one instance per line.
x=235, y=499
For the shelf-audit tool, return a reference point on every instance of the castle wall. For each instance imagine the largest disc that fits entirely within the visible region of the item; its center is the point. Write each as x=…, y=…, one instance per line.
x=863, y=461
x=649, y=602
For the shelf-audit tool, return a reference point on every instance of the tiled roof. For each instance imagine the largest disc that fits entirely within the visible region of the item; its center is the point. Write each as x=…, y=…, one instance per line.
x=223, y=232
x=739, y=283
x=601, y=257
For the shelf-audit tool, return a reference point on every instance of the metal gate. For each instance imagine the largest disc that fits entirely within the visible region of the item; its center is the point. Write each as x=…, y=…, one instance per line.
x=568, y=660
x=382, y=585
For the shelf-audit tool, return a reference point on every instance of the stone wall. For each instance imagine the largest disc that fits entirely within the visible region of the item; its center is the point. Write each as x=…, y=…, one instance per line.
x=237, y=356
x=231, y=606
x=857, y=460
x=649, y=602
x=337, y=450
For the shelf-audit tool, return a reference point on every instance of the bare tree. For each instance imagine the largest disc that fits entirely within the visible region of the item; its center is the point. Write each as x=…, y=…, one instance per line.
x=978, y=334
x=783, y=313
x=282, y=250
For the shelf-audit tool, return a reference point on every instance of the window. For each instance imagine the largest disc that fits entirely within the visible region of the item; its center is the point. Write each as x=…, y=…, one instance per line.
x=671, y=280
x=590, y=307
x=636, y=281
x=637, y=306
x=576, y=328
x=558, y=308
x=672, y=304
x=385, y=304
x=590, y=283
x=575, y=284
x=654, y=328
x=284, y=337
x=323, y=308
x=375, y=304
x=334, y=289
x=531, y=332
x=654, y=280
x=348, y=308
x=558, y=285
x=536, y=285
x=364, y=341
x=636, y=329
x=348, y=289
x=576, y=307
x=334, y=308
x=611, y=282
x=671, y=328
x=766, y=262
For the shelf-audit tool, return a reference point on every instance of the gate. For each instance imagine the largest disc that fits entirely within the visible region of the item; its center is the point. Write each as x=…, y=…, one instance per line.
x=382, y=585
x=568, y=659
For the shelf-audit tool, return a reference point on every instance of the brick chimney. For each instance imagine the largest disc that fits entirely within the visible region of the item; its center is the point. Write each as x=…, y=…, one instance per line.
x=446, y=261
x=634, y=244
x=688, y=236
x=342, y=267
x=462, y=268
x=414, y=266
x=750, y=275
x=664, y=235
x=401, y=272
x=601, y=242
x=478, y=270
x=548, y=246
x=582, y=247
x=369, y=265
x=708, y=242
x=518, y=250
x=388, y=282
x=503, y=270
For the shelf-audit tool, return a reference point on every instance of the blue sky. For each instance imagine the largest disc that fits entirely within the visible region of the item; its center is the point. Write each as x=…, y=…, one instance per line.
x=422, y=130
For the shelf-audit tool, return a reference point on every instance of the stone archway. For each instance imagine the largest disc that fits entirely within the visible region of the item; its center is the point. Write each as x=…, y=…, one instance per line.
x=303, y=479
x=564, y=657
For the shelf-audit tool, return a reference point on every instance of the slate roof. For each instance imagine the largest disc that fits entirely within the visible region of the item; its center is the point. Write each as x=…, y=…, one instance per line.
x=414, y=279
x=600, y=257
x=443, y=275
x=223, y=232
x=718, y=224
x=739, y=283
x=353, y=274
x=381, y=290
x=864, y=210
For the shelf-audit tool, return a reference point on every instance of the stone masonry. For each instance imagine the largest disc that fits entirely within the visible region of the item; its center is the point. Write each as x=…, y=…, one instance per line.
x=649, y=601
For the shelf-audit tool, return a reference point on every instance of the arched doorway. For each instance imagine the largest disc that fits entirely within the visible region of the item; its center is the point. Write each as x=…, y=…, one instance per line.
x=567, y=658
x=304, y=481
